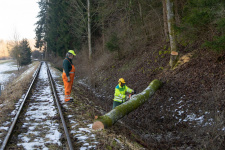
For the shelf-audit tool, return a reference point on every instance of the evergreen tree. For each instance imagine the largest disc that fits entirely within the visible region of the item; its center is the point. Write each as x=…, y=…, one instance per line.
x=41, y=25
x=58, y=36
x=25, y=52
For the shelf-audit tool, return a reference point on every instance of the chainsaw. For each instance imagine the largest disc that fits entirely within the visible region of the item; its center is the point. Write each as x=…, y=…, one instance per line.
x=130, y=95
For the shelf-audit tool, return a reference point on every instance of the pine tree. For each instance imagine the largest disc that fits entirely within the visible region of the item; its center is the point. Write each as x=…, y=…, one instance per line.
x=41, y=25
x=58, y=36
x=25, y=52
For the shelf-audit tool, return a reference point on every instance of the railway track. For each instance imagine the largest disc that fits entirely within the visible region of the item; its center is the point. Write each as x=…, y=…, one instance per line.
x=39, y=122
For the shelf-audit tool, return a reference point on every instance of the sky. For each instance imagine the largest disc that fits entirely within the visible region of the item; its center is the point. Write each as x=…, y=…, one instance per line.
x=18, y=16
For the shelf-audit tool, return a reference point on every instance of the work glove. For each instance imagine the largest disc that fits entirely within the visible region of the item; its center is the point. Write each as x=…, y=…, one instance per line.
x=127, y=98
x=68, y=79
x=134, y=92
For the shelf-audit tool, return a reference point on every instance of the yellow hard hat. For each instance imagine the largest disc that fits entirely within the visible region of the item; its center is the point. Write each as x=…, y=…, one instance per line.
x=72, y=52
x=121, y=80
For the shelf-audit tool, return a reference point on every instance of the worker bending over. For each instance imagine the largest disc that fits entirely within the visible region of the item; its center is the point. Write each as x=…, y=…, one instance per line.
x=120, y=93
x=68, y=74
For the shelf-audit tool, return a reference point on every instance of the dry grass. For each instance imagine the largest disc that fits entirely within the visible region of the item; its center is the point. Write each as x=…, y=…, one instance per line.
x=4, y=61
x=57, y=62
x=13, y=92
x=111, y=140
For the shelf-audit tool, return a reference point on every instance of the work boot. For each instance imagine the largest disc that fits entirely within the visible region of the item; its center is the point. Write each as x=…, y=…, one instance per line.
x=71, y=100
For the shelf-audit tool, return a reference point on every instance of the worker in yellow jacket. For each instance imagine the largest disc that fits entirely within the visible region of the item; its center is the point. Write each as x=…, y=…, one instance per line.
x=120, y=93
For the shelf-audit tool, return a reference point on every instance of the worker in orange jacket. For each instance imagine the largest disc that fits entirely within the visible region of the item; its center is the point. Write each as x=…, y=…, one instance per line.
x=68, y=74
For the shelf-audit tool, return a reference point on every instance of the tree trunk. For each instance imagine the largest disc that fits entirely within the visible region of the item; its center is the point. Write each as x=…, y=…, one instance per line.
x=120, y=111
x=89, y=30
x=172, y=36
x=103, y=36
x=46, y=50
x=142, y=19
x=165, y=19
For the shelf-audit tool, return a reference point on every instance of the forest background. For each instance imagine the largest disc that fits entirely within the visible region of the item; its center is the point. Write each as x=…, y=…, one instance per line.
x=131, y=39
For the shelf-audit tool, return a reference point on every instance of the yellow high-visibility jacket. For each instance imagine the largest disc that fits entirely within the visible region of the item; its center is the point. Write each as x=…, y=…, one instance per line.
x=120, y=93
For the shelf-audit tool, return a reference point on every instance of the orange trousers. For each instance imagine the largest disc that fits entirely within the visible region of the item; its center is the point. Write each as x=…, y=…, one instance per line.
x=68, y=85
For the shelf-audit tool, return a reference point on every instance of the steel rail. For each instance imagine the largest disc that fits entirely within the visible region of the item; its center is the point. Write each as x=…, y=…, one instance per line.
x=19, y=111
x=59, y=108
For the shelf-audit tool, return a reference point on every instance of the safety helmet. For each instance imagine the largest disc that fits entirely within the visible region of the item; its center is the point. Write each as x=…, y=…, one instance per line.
x=121, y=80
x=72, y=52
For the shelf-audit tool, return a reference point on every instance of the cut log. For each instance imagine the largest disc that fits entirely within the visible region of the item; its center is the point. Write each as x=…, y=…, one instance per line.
x=120, y=111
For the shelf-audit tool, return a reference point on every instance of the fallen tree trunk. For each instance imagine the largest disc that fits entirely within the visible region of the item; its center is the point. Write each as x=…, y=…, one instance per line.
x=120, y=111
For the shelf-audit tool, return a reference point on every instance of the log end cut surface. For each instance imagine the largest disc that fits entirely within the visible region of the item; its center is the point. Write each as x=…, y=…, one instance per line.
x=98, y=125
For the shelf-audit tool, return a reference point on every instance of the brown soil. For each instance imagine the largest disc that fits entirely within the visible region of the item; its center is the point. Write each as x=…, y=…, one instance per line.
x=84, y=110
x=195, y=86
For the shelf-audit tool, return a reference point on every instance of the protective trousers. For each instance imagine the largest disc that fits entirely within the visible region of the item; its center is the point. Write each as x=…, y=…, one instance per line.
x=68, y=85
